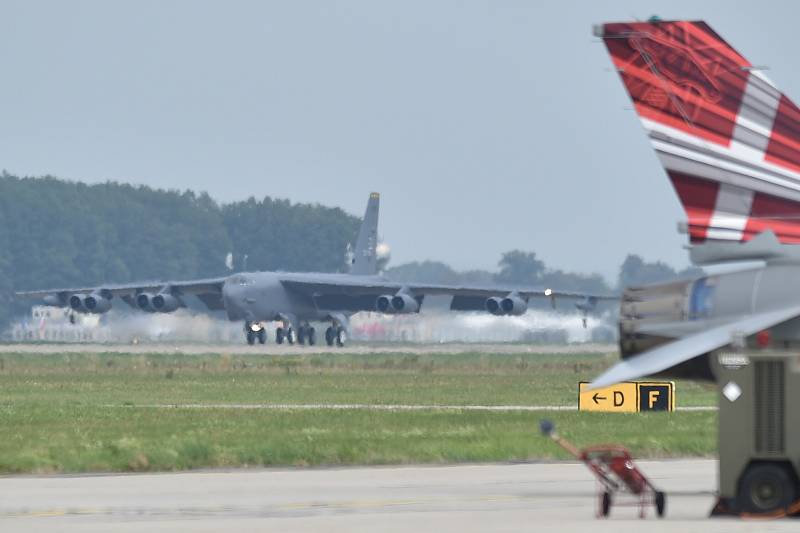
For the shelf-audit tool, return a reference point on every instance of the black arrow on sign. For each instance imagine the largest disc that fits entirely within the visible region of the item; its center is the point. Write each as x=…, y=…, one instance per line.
x=596, y=397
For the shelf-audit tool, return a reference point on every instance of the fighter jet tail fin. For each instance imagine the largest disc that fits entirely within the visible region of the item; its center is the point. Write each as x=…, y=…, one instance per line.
x=727, y=137
x=365, y=260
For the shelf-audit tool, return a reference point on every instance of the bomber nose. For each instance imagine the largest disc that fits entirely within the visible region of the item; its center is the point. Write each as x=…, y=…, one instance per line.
x=233, y=299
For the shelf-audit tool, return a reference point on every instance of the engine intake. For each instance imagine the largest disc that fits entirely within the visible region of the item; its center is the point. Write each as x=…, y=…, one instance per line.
x=76, y=303
x=145, y=302
x=96, y=303
x=513, y=305
x=400, y=303
x=384, y=304
x=494, y=305
x=164, y=303
x=404, y=303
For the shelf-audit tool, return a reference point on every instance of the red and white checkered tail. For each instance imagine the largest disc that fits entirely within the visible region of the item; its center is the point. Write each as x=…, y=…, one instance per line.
x=728, y=139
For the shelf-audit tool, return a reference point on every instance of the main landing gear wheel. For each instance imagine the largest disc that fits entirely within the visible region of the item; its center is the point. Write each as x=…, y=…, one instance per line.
x=262, y=336
x=341, y=337
x=279, y=334
x=311, y=336
x=291, y=336
x=335, y=335
x=251, y=337
x=306, y=334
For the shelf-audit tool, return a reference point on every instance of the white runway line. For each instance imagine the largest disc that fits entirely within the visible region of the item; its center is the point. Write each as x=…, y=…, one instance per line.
x=373, y=407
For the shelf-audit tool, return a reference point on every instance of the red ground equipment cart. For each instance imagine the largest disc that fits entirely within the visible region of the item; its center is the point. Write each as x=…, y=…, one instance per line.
x=616, y=474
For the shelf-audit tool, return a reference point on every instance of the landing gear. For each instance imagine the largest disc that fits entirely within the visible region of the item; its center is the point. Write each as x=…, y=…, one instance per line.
x=285, y=334
x=335, y=334
x=255, y=331
x=311, y=336
x=306, y=334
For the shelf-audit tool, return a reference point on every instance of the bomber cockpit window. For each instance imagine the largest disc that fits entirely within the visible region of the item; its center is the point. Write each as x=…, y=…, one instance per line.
x=242, y=280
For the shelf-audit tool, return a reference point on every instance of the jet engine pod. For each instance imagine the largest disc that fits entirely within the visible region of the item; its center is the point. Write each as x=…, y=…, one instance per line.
x=403, y=303
x=494, y=305
x=145, y=302
x=513, y=305
x=384, y=304
x=76, y=303
x=164, y=303
x=96, y=303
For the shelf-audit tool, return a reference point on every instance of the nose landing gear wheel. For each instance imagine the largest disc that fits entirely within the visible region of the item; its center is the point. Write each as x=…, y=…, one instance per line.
x=251, y=337
x=301, y=334
x=262, y=336
x=329, y=336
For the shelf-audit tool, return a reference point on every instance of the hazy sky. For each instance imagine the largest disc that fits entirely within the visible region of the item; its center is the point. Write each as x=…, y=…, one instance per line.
x=486, y=126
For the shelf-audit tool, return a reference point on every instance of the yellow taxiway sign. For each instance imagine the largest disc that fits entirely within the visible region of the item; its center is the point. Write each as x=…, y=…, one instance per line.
x=628, y=397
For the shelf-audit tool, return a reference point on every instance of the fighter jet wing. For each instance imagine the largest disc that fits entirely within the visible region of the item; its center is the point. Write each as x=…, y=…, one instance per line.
x=674, y=353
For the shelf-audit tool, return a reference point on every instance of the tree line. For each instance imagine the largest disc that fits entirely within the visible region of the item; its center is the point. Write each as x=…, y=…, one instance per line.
x=56, y=233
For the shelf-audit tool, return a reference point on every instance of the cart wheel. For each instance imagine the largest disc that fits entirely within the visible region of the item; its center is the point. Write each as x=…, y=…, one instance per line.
x=661, y=503
x=605, y=504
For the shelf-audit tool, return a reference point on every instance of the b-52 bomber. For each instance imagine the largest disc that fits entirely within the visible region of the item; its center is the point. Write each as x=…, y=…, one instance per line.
x=296, y=300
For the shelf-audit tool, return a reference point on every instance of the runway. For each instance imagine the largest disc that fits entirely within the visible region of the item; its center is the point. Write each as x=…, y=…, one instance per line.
x=373, y=407
x=463, y=498
x=283, y=349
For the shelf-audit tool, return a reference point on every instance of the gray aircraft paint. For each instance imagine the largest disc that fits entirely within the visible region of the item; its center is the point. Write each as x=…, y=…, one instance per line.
x=300, y=298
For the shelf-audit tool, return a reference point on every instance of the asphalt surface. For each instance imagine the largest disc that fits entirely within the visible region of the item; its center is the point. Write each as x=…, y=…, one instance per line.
x=274, y=349
x=506, y=497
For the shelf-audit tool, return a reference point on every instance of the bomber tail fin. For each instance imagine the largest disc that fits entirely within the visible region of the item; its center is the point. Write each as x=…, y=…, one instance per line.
x=728, y=139
x=365, y=259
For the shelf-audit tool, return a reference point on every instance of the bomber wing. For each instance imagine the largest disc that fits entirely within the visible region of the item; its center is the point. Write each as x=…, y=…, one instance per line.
x=356, y=293
x=669, y=355
x=209, y=291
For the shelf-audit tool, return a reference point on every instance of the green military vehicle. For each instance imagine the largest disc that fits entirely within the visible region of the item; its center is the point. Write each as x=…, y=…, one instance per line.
x=759, y=430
